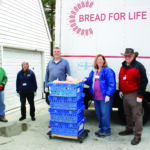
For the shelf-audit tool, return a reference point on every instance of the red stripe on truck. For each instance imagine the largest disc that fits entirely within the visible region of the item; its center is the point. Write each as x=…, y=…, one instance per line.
x=89, y=56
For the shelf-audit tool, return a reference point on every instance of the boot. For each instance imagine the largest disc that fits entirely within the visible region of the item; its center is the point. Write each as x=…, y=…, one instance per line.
x=3, y=119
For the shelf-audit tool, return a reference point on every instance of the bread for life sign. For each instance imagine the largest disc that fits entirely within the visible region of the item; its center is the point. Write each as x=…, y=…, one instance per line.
x=86, y=13
x=139, y=15
x=104, y=26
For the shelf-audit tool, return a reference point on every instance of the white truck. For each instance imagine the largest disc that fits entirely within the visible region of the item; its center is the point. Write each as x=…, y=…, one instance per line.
x=85, y=28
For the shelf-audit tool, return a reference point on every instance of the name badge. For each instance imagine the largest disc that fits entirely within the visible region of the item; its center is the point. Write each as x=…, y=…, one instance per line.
x=28, y=75
x=24, y=84
x=96, y=77
x=124, y=78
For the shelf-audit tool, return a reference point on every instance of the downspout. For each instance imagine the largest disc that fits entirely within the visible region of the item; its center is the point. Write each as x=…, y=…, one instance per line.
x=45, y=21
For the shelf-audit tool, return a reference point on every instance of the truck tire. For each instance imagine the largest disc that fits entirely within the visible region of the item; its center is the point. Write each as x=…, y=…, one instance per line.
x=88, y=98
x=145, y=112
x=121, y=111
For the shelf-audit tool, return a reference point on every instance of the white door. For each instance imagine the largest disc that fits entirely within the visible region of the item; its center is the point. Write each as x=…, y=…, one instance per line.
x=12, y=64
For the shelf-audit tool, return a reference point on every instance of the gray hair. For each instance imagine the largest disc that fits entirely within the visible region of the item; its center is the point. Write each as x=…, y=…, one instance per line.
x=24, y=62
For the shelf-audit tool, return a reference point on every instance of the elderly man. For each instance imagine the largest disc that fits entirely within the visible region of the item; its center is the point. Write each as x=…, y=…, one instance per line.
x=57, y=68
x=3, y=81
x=132, y=85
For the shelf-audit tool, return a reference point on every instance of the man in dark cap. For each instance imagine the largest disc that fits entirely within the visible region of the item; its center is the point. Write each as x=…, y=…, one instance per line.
x=132, y=85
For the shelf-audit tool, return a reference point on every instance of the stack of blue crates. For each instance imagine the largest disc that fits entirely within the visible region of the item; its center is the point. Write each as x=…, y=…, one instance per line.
x=66, y=109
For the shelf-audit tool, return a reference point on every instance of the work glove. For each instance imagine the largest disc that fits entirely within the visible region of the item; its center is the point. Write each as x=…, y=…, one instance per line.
x=46, y=90
x=35, y=93
x=1, y=87
x=107, y=99
x=139, y=100
x=84, y=80
x=121, y=94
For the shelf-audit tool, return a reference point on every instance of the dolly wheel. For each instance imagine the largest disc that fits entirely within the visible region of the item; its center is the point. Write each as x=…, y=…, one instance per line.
x=81, y=140
x=50, y=137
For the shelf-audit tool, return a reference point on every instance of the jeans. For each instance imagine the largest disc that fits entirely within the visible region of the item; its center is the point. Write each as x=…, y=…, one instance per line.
x=30, y=98
x=2, y=105
x=103, y=111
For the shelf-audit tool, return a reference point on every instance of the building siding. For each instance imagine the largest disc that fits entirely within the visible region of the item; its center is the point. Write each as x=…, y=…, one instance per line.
x=22, y=24
x=23, y=28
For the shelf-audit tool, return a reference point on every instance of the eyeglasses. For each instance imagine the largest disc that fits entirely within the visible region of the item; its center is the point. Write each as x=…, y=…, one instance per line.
x=128, y=56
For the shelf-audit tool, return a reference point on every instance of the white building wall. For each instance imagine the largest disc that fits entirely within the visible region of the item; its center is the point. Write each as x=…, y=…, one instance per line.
x=24, y=32
x=22, y=25
x=1, y=55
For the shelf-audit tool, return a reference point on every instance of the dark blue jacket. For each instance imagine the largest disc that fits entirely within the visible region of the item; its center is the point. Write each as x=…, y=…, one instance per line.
x=107, y=81
x=26, y=83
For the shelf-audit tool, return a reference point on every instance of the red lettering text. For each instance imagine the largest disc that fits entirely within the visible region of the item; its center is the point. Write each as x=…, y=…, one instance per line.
x=138, y=15
x=92, y=17
x=117, y=16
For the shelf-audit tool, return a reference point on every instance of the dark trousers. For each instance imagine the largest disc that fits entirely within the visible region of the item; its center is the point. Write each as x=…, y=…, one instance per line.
x=47, y=100
x=133, y=111
x=30, y=98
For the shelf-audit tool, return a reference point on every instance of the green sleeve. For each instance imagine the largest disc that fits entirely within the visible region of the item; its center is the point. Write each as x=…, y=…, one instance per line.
x=4, y=78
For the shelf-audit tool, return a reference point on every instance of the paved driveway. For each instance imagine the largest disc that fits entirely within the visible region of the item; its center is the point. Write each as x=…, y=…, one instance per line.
x=33, y=136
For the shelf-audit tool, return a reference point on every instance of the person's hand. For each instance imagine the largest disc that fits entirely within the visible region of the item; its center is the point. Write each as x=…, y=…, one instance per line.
x=121, y=94
x=107, y=99
x=84, y=80
x=69, y=78
x=35, y=93
x=139, y=100
x=46, y=90
x=17, y=94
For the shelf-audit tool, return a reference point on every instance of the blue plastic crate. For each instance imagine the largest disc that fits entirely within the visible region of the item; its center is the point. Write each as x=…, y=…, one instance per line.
x=66, y=103
x=65, y=89
x=67, y=116
x=67, y=129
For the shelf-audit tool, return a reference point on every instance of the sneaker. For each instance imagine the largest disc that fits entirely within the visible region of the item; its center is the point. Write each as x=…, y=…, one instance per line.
x=22, y=118
x=33, y=118
x=135, y=141
x=104, y=134
x=96, y=132
x=123, y=133
x=3, y=119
